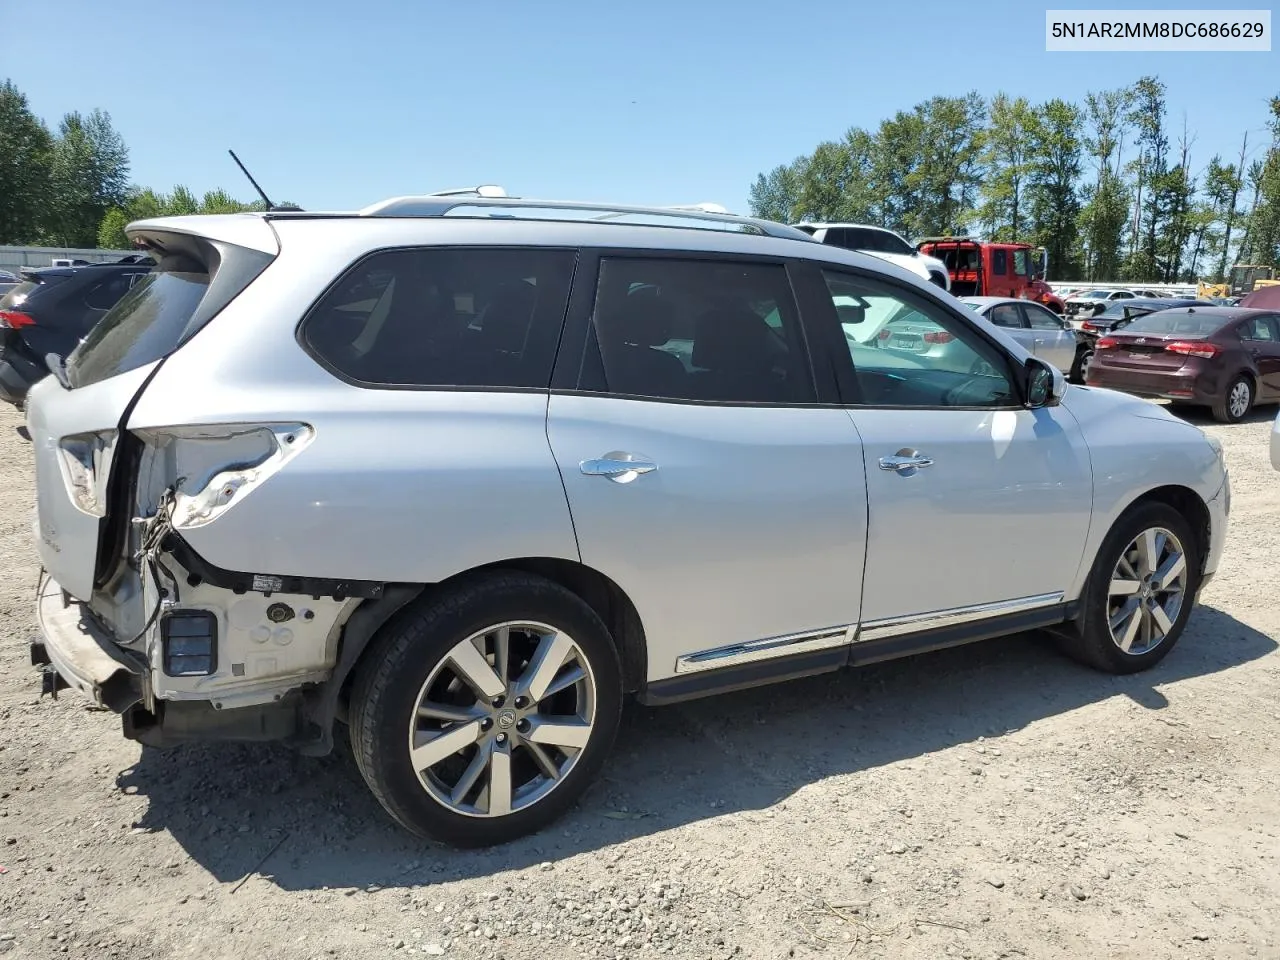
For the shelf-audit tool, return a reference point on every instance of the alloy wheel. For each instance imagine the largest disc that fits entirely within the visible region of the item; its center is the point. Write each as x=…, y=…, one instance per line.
x=1238, y=399
x=1147, y=590
x=502, y=719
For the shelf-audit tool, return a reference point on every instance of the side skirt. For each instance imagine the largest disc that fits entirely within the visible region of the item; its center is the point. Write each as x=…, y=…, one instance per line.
x=691, y=686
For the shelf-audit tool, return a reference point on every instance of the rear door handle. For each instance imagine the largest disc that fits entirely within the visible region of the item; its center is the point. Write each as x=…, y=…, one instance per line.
x=906, y=462
x=618, y=466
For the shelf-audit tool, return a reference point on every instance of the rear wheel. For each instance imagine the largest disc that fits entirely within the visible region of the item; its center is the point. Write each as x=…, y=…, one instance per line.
x=483, y=714
x=1236, y=402
x=1083, y=359
x=1139, y=594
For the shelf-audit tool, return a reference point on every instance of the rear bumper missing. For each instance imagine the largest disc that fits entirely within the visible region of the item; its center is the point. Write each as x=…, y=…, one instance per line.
x=84, y=654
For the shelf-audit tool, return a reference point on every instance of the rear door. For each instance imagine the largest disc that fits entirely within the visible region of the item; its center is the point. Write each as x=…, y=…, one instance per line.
x=1261, y=337
x=702, y=474
x=1051, y=338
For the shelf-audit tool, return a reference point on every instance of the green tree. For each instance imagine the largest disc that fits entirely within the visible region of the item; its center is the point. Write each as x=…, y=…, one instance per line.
x=835, y=181
x=90, y=174
x=1007, y=159
x=945, y=182
x=26, y=155
x=1262, y=237
x=1153, y=200
x=1106, y=200
x=1053, y=175
x=776, y=195
x=111, y=235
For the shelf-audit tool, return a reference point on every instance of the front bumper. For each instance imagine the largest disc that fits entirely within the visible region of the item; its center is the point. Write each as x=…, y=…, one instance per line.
x=84, y=654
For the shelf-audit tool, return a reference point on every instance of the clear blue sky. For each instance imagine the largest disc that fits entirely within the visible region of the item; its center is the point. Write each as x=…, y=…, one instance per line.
x=337, y=104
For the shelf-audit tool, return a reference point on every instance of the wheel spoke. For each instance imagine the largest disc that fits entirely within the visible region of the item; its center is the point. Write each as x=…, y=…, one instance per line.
x=1130, y=617
x=444, y=745
x=544, y=762
x=1124, y=588
x=1148, y=552
x=1161, y=619
x=565, y=681
x=1170, y=570
x=475, y=670
x=470, y=775
x=501, y=648
x=553, y=650
x=429, y=710
x=500, y=779
x=1125, y=568
x=567, y=732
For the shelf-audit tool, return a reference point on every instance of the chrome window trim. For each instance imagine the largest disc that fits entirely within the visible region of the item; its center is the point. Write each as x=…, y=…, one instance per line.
x=938, y=619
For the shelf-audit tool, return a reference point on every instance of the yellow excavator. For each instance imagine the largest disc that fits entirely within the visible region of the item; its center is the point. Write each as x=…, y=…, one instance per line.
x=1242, y=279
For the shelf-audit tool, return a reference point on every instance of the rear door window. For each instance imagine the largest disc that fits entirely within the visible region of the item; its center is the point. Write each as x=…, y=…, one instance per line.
x=1259, y=328
x=1041, y=319
x=698, y=330
x=1006, y=315
x=445, y=317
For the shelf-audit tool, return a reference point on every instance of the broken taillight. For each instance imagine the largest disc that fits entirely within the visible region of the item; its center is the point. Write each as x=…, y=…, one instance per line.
x=85, y=459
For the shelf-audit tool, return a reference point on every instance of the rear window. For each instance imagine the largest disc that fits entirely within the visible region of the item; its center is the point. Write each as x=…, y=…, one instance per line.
x=165, y=308
x=445, y=317
x=145, y=324
x=876, y=241
x=1175, y=322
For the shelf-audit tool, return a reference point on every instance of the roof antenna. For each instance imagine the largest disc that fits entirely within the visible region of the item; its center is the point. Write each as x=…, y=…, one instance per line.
x=265, y=199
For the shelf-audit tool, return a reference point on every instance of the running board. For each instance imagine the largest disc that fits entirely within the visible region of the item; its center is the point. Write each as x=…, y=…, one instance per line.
x=704, y=682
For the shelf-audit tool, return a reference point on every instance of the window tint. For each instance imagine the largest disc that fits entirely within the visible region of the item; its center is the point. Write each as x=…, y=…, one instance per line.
x=908, y=352
x=445, y=317
x=1005, y=315
x=104, y=294
x=878, y=241
x=699, y=330
x=1259, y=328
x=1041, y=319
x=1020, y=262
x=1000, y=262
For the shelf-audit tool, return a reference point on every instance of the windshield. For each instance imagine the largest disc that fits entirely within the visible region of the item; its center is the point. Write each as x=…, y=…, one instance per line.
x=1094, y=295
x=1178, y=323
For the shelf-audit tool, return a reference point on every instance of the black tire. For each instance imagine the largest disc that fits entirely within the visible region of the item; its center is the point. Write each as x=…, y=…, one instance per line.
x=1079, y=371
x=1089, y=639
x=394, y=670
x=1222, y=411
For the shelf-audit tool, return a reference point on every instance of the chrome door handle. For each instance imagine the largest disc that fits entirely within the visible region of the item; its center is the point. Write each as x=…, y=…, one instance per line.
x=906, y=462
x=618, y=466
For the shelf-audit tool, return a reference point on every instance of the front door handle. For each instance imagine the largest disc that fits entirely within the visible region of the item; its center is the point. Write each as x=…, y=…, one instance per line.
x=906, y=462
x=618, y=466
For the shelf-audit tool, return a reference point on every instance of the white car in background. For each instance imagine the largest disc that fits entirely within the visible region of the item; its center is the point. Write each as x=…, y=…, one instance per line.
x=883, y=243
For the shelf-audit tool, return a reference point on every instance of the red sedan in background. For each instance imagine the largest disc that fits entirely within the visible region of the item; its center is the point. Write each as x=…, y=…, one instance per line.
x=1225, y=358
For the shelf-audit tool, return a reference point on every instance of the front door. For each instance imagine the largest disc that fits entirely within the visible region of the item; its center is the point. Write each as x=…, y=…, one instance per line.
x=701, y=476
x=977, y=506
x=1051, y=338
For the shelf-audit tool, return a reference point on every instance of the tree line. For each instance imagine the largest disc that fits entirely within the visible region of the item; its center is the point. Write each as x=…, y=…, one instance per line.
x=70, y=187
x=1106, y=186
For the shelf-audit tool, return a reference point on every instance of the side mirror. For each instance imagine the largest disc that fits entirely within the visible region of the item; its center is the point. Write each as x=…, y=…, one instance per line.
x=1045, y=385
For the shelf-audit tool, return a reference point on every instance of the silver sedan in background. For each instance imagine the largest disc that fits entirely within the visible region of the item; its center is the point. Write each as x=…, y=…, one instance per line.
x=1041, y=331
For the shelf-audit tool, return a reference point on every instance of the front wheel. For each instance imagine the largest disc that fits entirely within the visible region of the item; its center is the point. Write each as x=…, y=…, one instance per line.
x=1083, y=359
x=485, y=712
x=1139, y=593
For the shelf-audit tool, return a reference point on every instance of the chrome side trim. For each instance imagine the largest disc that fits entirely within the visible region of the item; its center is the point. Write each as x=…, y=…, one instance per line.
x=766, y=649
x=919, y=622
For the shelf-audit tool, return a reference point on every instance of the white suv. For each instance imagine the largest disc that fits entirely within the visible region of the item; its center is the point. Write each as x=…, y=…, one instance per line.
x=883, y=243
x=465, y=472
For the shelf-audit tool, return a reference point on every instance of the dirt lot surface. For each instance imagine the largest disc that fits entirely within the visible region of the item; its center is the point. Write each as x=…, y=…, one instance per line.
x=991, y=801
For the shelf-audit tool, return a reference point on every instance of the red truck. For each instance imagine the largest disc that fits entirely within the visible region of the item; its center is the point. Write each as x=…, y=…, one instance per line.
x=981, y=269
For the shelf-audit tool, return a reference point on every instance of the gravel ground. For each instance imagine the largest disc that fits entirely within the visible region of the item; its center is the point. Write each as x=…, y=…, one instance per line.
x=991, y=801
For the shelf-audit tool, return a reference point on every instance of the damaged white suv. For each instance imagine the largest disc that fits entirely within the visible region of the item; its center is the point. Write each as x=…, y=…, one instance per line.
x=464, y=472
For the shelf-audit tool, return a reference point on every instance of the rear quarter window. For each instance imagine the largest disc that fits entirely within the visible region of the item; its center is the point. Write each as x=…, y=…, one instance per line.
x=444, y=317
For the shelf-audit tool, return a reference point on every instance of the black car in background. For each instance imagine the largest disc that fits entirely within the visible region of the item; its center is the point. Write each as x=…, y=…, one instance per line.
x=1119, y=315
x=50, y=310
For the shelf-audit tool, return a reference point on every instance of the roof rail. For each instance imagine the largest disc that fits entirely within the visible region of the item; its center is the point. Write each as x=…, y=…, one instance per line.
x=469, y=203
x=489, y=190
